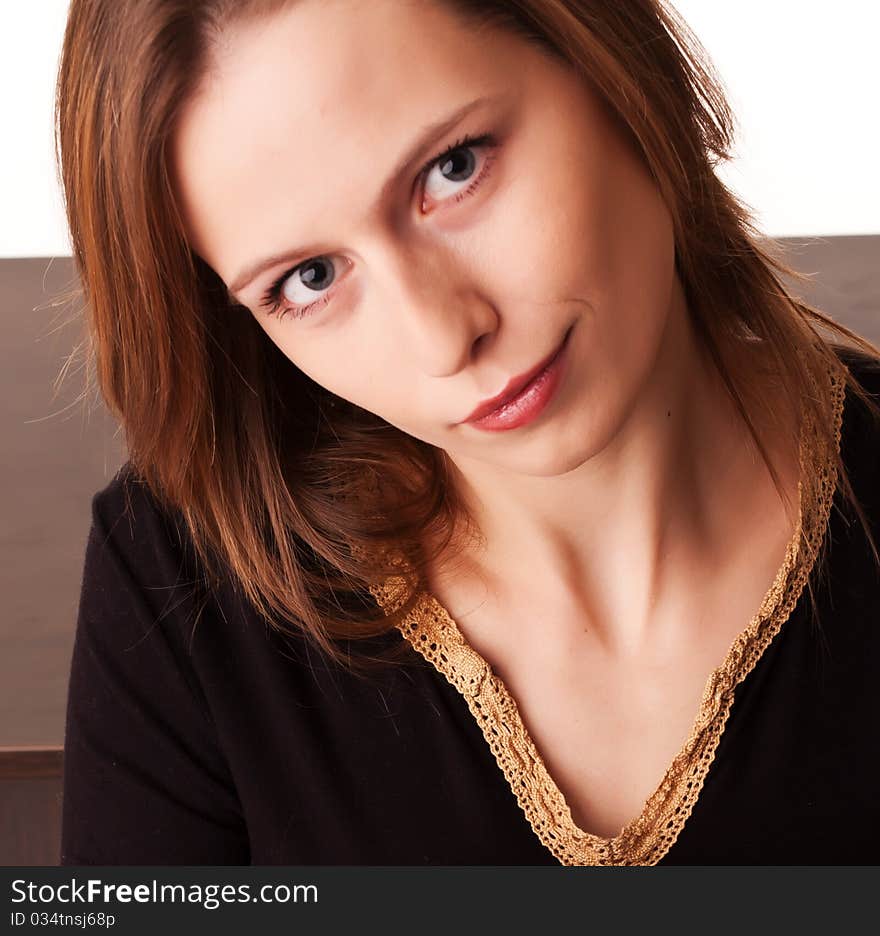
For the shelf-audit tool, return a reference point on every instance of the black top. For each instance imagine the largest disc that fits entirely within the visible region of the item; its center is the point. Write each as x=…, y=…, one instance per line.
x=230, y=745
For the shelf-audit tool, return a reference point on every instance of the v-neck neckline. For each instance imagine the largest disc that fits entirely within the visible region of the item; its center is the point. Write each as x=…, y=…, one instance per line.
x=645, y=839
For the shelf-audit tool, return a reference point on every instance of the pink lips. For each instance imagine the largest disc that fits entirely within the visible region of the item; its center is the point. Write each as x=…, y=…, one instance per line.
x=524, y=397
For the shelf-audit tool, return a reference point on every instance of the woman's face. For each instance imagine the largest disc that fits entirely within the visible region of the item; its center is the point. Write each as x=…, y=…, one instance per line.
x=418, y=288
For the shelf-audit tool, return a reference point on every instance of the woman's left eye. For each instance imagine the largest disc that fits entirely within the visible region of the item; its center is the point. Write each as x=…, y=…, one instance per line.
x=456, y=166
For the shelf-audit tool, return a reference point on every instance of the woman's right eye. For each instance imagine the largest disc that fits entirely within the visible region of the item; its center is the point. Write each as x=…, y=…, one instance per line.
x=310, y=277
x=289, y=294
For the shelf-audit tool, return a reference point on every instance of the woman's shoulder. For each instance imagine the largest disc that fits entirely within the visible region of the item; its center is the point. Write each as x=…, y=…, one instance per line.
x=141, y=579
x=860, y=453
x=145, y=592
x=860, y=427
x=141, y=747
x=145, y=580
x=137, y=535
x=863, y=366
x=127, y=509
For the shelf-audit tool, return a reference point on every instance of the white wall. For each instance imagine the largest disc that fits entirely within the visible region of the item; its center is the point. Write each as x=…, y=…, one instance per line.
x=31, y=216
x=802, y=76
x=803, y=79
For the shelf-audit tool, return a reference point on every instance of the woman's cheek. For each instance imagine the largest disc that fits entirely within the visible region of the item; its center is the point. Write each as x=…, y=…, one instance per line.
x=516, y=241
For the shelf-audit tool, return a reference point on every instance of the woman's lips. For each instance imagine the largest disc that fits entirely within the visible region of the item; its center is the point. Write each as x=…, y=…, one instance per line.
x=524, y=397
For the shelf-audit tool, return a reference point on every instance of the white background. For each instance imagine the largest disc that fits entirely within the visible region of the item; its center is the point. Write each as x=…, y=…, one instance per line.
x=802, y=77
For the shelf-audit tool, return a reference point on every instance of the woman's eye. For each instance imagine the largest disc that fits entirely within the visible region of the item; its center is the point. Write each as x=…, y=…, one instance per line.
x=459, y=170
x=302, y=290
x=308, y=281
x=455, y=174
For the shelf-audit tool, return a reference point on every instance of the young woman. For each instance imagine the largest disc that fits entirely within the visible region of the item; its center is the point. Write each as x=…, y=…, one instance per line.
x=479, y=503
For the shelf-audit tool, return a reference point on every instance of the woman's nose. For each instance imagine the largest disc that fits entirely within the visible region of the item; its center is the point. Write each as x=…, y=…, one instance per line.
x=442, y=316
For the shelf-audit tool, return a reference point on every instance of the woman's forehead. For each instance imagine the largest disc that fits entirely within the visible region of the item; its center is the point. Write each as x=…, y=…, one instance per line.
x=302, y=111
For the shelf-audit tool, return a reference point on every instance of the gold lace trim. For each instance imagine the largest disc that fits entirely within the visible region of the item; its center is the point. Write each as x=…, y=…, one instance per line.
x=647, y=838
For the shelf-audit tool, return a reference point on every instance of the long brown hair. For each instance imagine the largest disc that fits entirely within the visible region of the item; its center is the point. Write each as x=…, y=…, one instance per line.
x=304, y=499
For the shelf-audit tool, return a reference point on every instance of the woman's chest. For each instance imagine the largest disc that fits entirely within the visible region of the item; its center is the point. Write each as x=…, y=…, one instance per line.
x=614, y=728
x=607, y=734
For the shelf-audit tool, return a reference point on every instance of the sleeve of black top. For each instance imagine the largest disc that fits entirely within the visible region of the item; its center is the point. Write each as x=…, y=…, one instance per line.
x=144, y=779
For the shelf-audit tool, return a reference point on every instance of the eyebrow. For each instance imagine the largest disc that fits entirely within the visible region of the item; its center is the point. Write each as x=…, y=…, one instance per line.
x=429, y=134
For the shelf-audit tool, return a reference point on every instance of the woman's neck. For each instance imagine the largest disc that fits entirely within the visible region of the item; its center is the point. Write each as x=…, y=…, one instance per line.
x=618, y=544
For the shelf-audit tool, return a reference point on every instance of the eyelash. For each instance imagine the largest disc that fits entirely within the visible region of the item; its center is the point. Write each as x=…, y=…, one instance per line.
x=271, y=300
